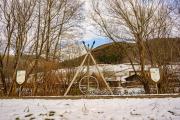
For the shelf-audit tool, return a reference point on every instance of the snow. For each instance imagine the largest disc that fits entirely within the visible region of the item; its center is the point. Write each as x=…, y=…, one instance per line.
x=119, y=69
x=91, y=109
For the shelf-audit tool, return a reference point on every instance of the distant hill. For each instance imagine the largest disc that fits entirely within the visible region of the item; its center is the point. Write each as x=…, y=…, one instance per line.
x=105, y=54
x=161, y=50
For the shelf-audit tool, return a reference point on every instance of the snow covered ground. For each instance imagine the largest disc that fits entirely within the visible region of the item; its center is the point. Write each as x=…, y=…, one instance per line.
x=91, y=109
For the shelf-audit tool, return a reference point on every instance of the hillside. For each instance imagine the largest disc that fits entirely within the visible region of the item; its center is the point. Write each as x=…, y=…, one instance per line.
x=104, y=54
x=160, y=51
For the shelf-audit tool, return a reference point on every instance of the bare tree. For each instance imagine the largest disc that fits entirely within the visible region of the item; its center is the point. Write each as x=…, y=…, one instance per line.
x=56, y=20
x=22, y=14
x=6, y=8
x=140, y=19
x=34, y=28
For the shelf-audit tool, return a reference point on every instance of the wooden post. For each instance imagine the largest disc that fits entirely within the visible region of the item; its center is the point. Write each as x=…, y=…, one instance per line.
x=157, y=88
x=20, y=91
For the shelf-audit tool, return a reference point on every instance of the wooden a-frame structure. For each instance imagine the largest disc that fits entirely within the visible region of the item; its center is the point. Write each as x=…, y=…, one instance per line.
x=88, y=54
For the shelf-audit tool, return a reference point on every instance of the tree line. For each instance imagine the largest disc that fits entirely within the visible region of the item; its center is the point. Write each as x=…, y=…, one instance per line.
x=37, y=28
x=34, y=27
x=140, y=21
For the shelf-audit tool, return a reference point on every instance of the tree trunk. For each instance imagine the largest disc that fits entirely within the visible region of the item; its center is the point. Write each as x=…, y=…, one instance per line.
x=146, y=87
x=3, y=78
x=144, y=80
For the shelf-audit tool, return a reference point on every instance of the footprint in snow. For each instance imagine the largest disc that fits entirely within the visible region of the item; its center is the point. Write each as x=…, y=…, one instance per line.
x=41, y=114
x=28, y=115
x=48, y=119
x=174, y=113
x=52, y=113
x=100, y=112
x=67, y=104
x=17, y=118
x=33, y=118
x=134, y=113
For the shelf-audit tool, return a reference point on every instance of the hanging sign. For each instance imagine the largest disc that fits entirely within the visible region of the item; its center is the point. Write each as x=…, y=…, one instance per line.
x=155, y=74
x=20, y=77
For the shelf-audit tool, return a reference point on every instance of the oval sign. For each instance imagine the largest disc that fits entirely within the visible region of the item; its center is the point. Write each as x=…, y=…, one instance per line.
x=155, y=74
x=20, y=77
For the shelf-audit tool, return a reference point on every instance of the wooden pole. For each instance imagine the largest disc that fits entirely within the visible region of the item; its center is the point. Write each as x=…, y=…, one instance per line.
x=77, y=72
x=20, y=87
x=157, y=88
x=74, y=78
x=101, y=74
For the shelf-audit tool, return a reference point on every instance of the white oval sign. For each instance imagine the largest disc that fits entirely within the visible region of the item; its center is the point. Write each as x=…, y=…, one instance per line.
x=155, y=74
x=20, y=77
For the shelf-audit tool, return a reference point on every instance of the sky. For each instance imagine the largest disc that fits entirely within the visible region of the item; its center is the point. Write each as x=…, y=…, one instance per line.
x=98, y=41
x=90, y=32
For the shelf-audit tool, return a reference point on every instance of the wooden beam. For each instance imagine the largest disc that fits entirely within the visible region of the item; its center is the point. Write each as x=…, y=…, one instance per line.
x=101, y=74
x=74, y=78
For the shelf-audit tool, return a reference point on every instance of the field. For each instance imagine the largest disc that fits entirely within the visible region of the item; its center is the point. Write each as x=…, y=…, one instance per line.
x=91, y=109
